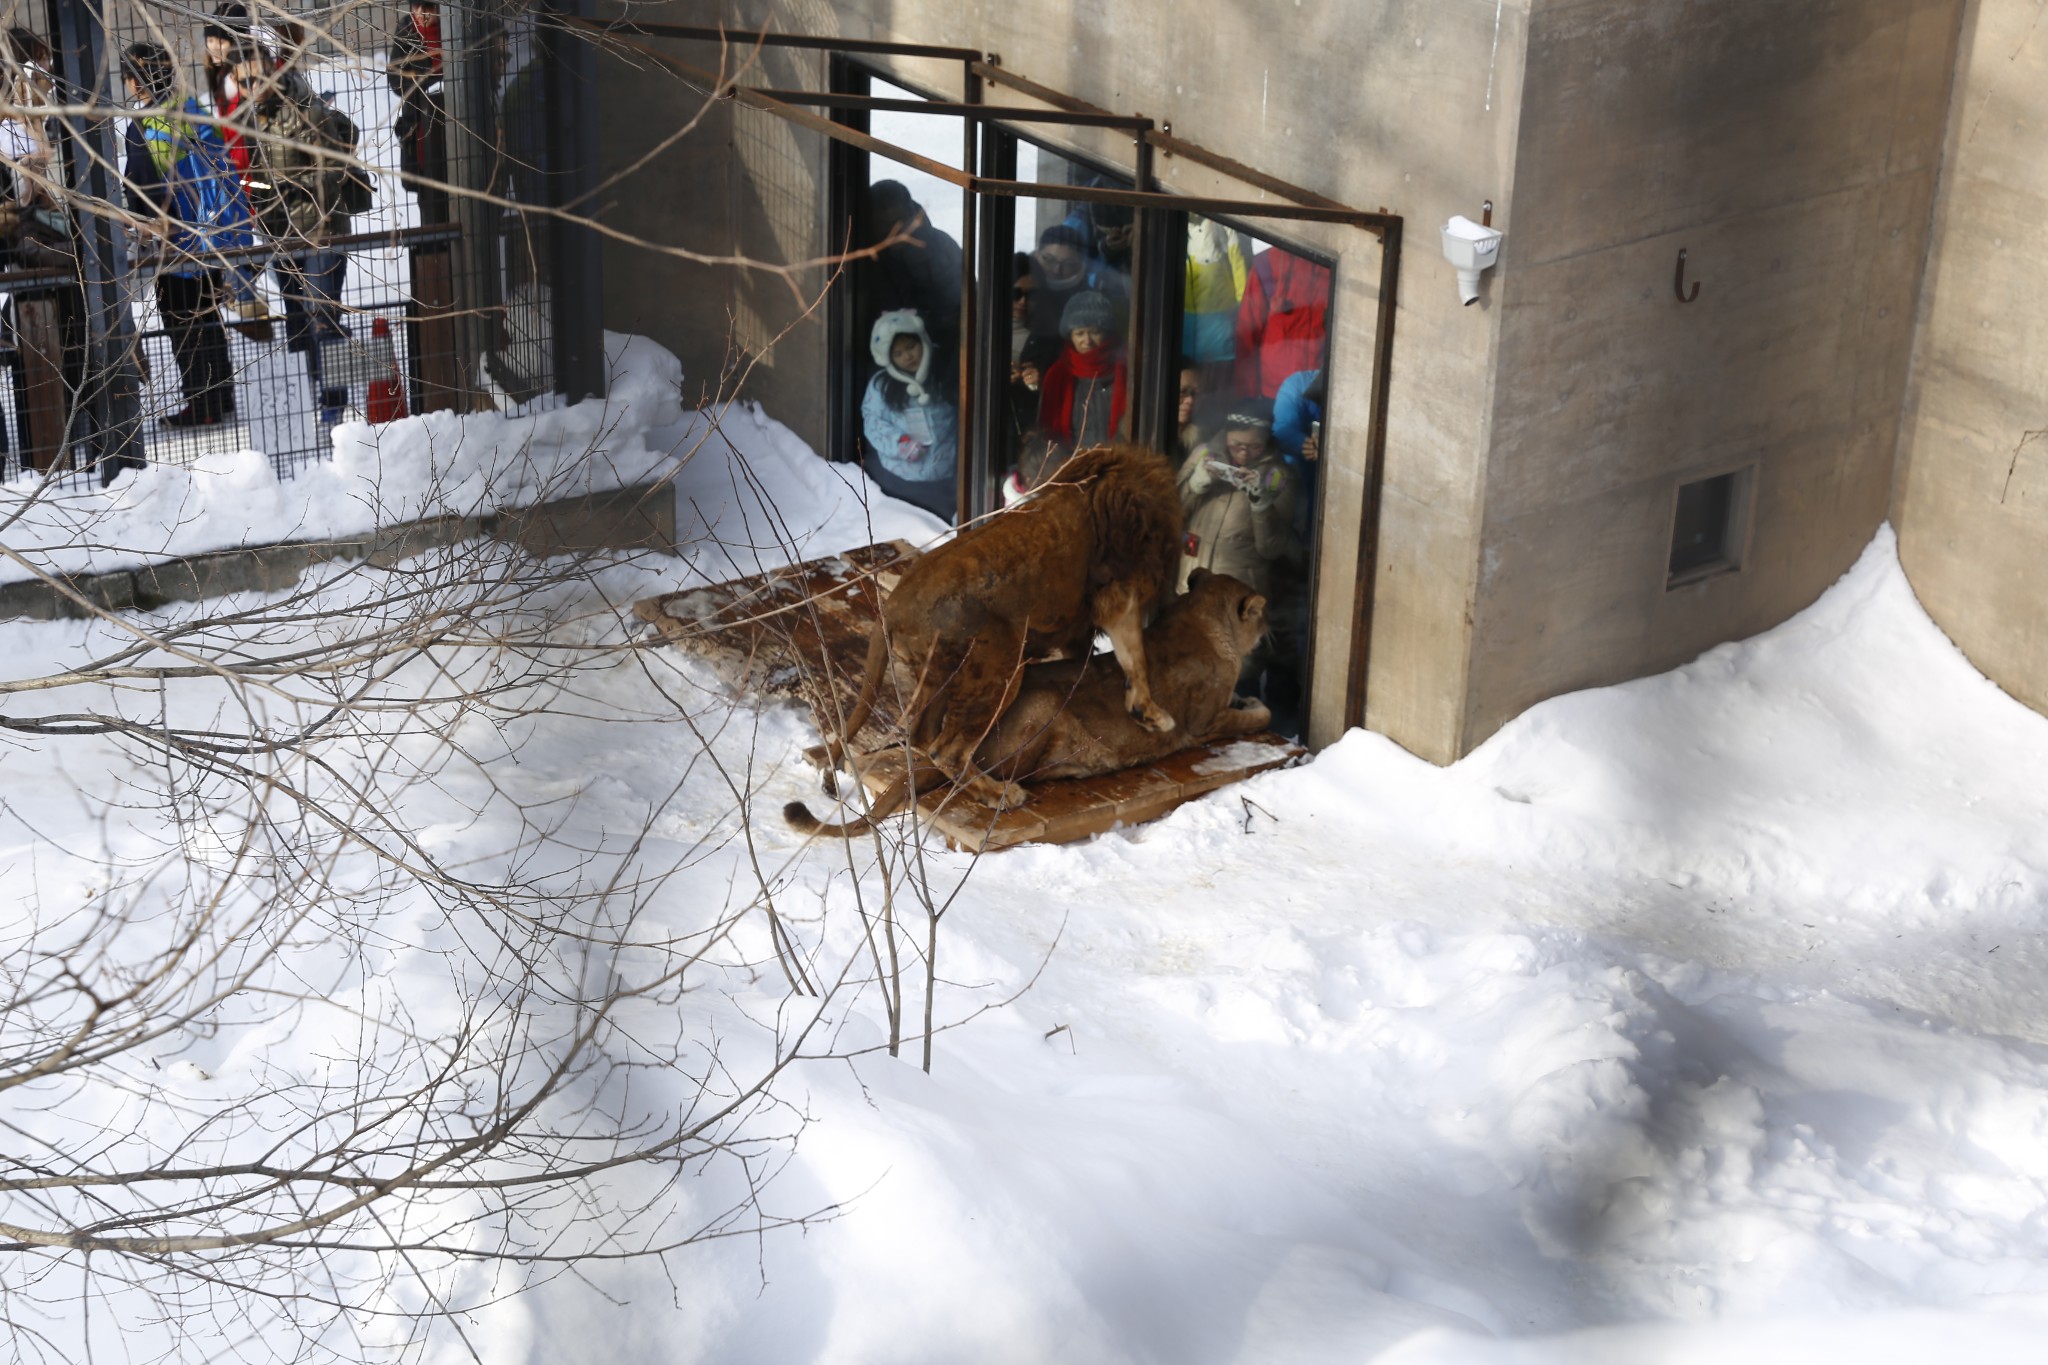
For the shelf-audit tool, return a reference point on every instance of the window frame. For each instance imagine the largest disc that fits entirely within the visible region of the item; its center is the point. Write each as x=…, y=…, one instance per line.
x=1735, y=527
x=1314, y=549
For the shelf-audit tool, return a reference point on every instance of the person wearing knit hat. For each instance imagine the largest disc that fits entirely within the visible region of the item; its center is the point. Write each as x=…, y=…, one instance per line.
x=1238, y=495
x=1063, y=267
x=1084, y=396
x=908, y=416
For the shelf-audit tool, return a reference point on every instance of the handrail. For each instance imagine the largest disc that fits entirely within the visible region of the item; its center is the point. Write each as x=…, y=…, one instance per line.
x=425, y=235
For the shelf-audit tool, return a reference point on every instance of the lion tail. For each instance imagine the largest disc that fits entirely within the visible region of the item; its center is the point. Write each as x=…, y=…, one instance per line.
x=864, y=704
x=892, y=799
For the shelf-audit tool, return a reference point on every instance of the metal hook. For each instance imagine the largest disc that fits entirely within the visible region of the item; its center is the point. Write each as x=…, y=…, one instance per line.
x=1678, y=281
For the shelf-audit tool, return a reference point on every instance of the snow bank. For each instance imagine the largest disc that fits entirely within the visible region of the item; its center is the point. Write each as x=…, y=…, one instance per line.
x=1881, y=1339
x=434, y=464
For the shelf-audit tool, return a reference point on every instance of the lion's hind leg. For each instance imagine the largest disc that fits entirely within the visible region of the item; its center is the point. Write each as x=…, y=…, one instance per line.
x=979, y=686
x=1247, y=718
x=835, y=746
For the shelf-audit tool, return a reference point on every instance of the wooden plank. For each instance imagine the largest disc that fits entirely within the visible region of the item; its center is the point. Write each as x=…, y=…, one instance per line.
x=799, y=632
x=436, y=372
x=39, y=334
x=802, y=632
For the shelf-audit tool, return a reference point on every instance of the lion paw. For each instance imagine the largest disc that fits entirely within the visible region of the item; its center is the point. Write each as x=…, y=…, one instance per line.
x=1011, y=797
x=1149, y=715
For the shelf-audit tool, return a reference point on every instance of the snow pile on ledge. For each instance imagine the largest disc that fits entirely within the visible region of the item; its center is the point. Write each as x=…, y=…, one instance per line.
x=436, y=464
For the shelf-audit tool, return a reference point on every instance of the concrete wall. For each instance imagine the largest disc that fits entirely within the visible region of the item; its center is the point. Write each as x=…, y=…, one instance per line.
x=1421, y=96
x=1972, y=499
x=1792, y=147
x=738, y=184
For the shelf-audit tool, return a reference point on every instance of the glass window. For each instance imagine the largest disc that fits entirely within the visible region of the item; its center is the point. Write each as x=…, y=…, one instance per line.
x=1248, y=435
x=906, y=311
x=1069, y=300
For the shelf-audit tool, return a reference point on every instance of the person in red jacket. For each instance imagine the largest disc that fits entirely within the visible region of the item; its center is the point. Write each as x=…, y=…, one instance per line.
x=1083, y=396
x=1282, y=321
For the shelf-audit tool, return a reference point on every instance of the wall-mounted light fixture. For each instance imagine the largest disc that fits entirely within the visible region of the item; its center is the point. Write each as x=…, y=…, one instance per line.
x=1471, y=247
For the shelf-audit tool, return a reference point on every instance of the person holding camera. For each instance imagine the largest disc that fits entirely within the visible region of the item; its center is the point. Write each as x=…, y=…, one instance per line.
x=1239, y=495
x=304, y=183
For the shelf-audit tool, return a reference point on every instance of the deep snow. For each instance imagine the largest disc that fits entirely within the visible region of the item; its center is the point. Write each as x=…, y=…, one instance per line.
x=1711, y=1002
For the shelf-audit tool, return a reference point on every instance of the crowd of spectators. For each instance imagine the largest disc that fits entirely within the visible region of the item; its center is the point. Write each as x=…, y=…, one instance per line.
x=246, y=170
x=1247, y=434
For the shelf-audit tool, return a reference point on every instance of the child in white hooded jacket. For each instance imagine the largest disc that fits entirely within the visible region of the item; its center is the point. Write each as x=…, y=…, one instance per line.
x=909, y=422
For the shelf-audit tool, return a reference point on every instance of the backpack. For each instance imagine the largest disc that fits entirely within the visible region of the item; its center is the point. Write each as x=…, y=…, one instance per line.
x=206, y=194
x=356, y=188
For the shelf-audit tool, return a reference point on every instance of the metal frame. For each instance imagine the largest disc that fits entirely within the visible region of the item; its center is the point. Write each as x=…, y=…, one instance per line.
x=570, y=70
x=113, y=387
x=978, y=72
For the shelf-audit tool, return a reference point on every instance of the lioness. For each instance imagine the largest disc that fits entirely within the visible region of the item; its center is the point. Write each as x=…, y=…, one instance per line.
x=1096, y=547
x=1070, y=718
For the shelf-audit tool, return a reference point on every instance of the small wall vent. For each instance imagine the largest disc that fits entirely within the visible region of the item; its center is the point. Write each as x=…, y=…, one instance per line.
x=1709, y=527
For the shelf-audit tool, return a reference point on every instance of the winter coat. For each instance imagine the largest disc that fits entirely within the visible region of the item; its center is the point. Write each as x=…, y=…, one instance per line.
x=1294, y=412
x=919, y=441
x=1021, y=399
x=182, y=170
x=297, y=164
x=921, y=273
x=1215, y=285
x=1282, y=321
x=414, y=73
x=1230, y=532
x=1083, y=398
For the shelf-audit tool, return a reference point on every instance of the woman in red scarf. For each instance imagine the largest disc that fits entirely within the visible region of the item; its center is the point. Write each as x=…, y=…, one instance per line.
x=414, y=71
x=227, y=33
x=1083, y=396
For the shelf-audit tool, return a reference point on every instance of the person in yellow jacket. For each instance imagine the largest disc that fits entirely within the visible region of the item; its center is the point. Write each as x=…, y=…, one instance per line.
x=1217, y=267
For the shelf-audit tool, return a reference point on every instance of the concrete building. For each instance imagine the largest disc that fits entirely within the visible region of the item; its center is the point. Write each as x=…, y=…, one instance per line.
x=1603, y=467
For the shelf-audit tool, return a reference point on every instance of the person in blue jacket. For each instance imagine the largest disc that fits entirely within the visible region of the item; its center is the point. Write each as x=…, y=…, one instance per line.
x=182, y=183
x=908, y=415
x=1298, y=415
x=1298, y=431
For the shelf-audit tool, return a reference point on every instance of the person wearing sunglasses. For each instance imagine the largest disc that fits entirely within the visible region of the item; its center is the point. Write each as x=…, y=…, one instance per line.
x=1062, y=268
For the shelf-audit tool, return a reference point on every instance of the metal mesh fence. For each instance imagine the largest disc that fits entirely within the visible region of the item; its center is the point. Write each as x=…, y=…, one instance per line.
x=429, y=286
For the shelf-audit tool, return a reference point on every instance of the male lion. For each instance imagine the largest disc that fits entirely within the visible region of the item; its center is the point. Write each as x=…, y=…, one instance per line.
x=1094, y=548
x=1071, y=720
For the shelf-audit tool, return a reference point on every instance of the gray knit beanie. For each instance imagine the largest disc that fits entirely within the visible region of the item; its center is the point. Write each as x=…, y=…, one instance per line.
x=1087, y=309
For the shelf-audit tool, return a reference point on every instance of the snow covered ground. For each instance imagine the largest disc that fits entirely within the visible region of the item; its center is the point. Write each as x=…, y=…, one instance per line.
x=431, y=465
x=1699, y=1019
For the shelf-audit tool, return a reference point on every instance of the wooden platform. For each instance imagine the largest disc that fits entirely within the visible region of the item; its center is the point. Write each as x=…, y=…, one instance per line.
x=802, y=632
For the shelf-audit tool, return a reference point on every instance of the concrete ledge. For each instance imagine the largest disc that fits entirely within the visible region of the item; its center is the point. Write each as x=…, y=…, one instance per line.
x=642, y=518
